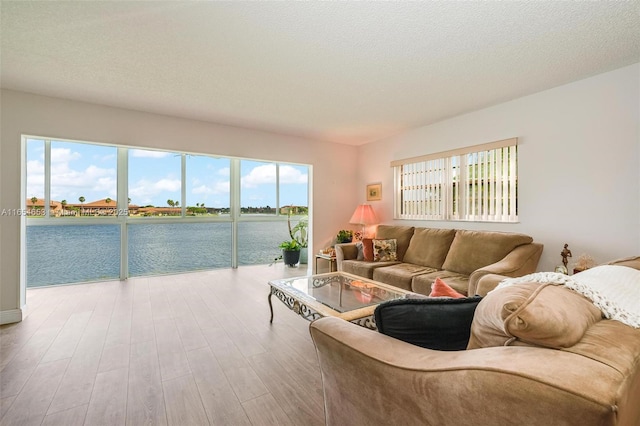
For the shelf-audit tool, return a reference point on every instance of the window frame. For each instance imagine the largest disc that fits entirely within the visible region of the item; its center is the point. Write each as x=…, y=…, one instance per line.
x=472, y=184
x=122, y=217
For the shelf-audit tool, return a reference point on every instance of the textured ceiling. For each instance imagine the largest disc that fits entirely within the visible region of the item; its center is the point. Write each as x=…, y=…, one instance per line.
x=348, y=72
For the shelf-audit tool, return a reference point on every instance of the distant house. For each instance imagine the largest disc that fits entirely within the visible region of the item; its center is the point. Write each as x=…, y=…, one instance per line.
x=94, y=208
x=37, y=208
x=158, y=211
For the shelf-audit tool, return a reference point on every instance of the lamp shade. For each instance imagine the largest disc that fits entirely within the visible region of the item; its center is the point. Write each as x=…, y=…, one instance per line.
x=364, y=215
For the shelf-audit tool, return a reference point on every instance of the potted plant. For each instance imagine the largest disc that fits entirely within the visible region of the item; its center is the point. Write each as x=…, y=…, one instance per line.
x=290, y=252
x=344, y=236
x=299, y=234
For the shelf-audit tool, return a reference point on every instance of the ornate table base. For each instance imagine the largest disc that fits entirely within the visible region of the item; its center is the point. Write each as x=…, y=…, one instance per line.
x=308, y=313
x=295, y=305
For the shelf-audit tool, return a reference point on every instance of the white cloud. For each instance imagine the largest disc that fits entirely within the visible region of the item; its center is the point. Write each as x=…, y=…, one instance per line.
x=35, y=179
x=216, y=188
x=225, y=171
x=105, y=184
x=63, y=155
x=35, y=167
x=68, y=183
x=260, y=175
x=143, y=191
x=169, y=185
x=143, y=153
x=290, y=174
x=267, y=174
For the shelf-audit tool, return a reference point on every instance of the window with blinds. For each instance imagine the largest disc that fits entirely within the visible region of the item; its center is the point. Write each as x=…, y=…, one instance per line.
x=478, y=183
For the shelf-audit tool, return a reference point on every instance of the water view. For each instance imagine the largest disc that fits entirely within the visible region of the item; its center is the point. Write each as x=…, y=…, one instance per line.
x=82, y=184
x=78, y=253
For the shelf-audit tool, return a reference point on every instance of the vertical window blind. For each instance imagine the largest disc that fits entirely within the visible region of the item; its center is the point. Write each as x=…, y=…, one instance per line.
x=478, y=183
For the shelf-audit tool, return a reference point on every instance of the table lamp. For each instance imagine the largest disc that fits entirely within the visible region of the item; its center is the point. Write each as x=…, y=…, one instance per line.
x=364, y=215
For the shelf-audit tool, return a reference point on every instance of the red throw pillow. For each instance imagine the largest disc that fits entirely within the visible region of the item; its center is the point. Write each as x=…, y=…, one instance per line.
x=440, y=289
x=367, y=249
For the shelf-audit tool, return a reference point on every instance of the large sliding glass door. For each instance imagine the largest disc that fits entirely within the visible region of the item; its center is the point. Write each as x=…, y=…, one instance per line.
x=60, y=254
x=96, y=212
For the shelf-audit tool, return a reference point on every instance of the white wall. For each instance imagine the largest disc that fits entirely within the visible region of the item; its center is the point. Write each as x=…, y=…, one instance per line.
x=578, y=163
x=22, y=113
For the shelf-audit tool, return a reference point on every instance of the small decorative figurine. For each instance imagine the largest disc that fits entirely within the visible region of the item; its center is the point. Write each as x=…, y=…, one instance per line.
x=566, y=253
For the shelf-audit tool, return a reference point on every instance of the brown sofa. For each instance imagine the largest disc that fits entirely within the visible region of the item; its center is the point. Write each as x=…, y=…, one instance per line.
x=459, y=257
x=538, y=355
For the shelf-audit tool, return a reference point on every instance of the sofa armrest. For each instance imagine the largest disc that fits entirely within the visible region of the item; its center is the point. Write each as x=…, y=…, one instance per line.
x=370, y=378
x=631, y=262
x=521, y=261
x=345, y=251
x=488, y=282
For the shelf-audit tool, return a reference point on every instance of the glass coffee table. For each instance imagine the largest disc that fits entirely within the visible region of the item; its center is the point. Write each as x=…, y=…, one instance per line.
x=337, y=294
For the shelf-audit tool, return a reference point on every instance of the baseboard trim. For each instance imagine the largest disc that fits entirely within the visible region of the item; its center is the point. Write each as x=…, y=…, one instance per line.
x=8, y=317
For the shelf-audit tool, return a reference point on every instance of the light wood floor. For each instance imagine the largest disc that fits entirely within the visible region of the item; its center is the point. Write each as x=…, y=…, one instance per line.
x=190, y=349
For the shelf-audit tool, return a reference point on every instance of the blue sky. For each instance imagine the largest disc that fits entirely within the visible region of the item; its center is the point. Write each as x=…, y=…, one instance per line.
x=155, y=177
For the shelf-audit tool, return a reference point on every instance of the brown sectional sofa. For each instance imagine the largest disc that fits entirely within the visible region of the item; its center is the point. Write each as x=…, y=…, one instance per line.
x=538, y=355
x=459, y=257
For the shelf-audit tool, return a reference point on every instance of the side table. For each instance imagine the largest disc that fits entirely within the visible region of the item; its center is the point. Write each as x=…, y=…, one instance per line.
x=333, y=266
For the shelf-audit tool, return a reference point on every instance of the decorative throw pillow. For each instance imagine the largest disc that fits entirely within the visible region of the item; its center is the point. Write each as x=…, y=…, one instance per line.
x=367, y=249
x=385, y=250
x=440, y=289
x=435, y=323
x=360, y=255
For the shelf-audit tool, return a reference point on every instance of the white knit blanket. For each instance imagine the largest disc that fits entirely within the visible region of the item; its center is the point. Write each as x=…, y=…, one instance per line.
x=612, y=288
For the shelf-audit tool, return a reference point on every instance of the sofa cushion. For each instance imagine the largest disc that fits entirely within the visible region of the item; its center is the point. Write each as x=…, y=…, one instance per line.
x=441, y=289
x=471, y=250
x=367, y=249
x=429, y=247
x=532, y=313
x=434, y=323
x=399, y=275
x=621, y=354
x=402, y=234
x=423, y=283
x=385, y=250
x=363, y=268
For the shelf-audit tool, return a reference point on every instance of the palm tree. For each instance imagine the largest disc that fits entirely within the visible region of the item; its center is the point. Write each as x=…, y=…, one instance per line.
x=81, y=199
x=108, y=200
x=33, y=200
x=171, y=202
x=176, y=203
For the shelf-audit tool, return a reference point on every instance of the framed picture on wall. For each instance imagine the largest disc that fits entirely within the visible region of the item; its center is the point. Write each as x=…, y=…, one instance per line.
x=374, y=192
